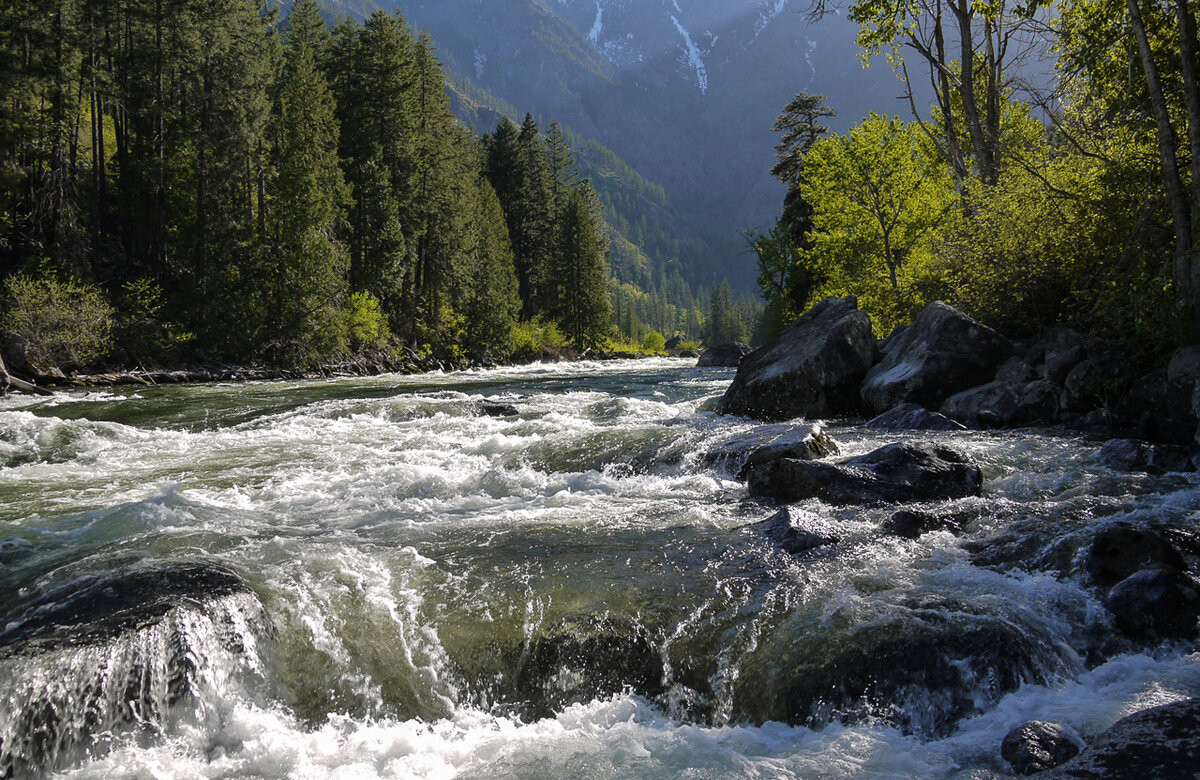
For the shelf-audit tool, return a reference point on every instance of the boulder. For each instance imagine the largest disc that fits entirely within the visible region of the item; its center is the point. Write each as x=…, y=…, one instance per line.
x=496, y=409
x=911, y=524
x=1183, y=372
x=1134, y=455
x=795, y=530
x=1155, y=604
x=1160, y=743
x=723, y=355
x=944, y=352
x=673, y=342
x=1037, y=403
x=1016, y=371
x=1038, y=745
x=812, y=369
x=913, y=417
x=894, y=473
x=993, y=405
x=1093, y=382
x=1122, y=549
x=922, y=670
x=741, y=451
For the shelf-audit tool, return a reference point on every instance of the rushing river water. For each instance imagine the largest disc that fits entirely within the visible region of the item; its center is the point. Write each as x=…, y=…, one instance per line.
x=569, y=592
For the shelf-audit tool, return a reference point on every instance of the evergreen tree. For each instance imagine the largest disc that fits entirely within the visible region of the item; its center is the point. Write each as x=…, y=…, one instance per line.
x=582, y=271
x=308, y=264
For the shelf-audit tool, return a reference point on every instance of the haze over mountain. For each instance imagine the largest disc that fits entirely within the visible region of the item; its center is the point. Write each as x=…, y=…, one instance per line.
x=685, y=91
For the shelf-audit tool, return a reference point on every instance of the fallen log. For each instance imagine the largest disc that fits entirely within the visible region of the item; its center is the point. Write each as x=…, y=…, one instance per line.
x=8, y=380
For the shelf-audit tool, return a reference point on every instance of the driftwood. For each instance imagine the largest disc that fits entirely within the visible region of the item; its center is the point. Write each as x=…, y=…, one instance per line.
x=7, y=380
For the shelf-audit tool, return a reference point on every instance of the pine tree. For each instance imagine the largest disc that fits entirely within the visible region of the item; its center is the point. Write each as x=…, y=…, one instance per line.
x=585, y=314
x=308, y=264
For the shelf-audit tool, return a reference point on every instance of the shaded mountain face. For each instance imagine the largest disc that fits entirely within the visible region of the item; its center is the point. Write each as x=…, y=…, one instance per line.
x=684, y=90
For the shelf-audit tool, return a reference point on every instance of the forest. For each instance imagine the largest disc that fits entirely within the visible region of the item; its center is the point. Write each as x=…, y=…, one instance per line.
x=1025, y=205
x=185, y=180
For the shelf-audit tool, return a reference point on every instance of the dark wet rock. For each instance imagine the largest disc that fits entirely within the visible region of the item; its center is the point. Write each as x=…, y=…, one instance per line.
x=101, y=608
x=923, y=670
x=944, y=352
x=795, y=530
x=885, y=345
x=1160, y=743
x=993, y=405
x=812, y=369
x=1038, y=745
x=764, y=443
x=894, y=473
x=913, y=417
x=124, y=651
x=911, y=524
x=1122, y=550
x=1094, y=382
x=1059, y=362
x=726, y=355
x=1037, y=403
x=1015, y=371
x=496, y=409
x=577, y=661
x=673, y=342
x=1183, y=372
x=1155, y=604
x=1134, y=455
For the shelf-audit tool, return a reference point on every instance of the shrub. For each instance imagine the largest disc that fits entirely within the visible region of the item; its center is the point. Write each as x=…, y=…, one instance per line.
x=654, y=342
x=67, y=321
x=366, y=323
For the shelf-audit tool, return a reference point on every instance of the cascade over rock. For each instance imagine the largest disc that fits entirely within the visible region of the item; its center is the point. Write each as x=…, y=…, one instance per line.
x=1039, y=745
x=812, y=369
x=894, y=473
x=1161, y=742
x=740, y=452
x=913, y=417
x=944, y=352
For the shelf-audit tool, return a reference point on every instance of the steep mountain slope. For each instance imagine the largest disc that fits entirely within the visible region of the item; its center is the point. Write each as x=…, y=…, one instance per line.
x=684, y=90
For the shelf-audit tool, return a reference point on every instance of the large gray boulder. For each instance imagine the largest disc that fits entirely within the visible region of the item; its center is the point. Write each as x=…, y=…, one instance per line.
x=994, y=405
x=894, y=473
x=795, y=530
x=943, y=353
x=1155, y=604
x=913, y=417
x=1183, y=372
x=812, y=369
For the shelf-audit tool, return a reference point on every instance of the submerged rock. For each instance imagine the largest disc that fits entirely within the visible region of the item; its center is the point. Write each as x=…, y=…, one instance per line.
x=1160, y=743
x=812, y=369
x=740, y=452
x=1039, y=745
x=1134, y=455
x=911, y=524
x=1121, y=550
x=922, y=671
x=496, y=409
x=894, y=473
x=913, y=417
x=725, y=355
x=1155, y=604
x=944, y=352
x=795, y=530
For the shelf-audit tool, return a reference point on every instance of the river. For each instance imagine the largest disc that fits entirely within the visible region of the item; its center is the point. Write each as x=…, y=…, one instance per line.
x=571, y=591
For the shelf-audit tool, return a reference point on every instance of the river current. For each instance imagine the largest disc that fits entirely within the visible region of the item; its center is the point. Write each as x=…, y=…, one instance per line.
x=570, y=591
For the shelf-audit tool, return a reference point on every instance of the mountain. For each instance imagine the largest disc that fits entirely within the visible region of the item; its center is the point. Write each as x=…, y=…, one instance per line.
x=685, y=91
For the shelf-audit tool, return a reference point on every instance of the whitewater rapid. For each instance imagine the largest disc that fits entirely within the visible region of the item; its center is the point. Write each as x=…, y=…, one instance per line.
x=434, y=586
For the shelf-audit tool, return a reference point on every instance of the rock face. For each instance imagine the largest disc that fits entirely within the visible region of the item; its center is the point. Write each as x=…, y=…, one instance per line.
x=894, y=473
x=1039, y=745
x=740, y=452
x=795, y=530
x=913, y=417
x=1155, y=604
x=1160, y=743
x=944, y=352
x=812, y=369
x=725, y=355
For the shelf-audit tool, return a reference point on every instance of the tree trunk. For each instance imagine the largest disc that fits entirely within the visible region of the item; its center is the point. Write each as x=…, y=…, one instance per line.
x=984, y=157
x=1180, y=212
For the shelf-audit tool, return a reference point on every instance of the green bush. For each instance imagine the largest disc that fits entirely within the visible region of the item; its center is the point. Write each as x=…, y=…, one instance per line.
x=654, y=342
x=67, y=321
x=142, y=333
x=366, y=323
x=530, y=337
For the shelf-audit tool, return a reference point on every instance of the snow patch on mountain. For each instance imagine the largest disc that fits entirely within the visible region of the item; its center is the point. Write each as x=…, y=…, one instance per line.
x=767, y=16
x=480, y=62
x=598, y=25
x=693, y=58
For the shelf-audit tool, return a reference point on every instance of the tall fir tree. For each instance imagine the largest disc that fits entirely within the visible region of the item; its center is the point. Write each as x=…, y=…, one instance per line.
x=585, y=312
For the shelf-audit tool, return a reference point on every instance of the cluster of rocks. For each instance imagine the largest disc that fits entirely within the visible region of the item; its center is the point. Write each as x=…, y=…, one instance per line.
x=946, y=371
